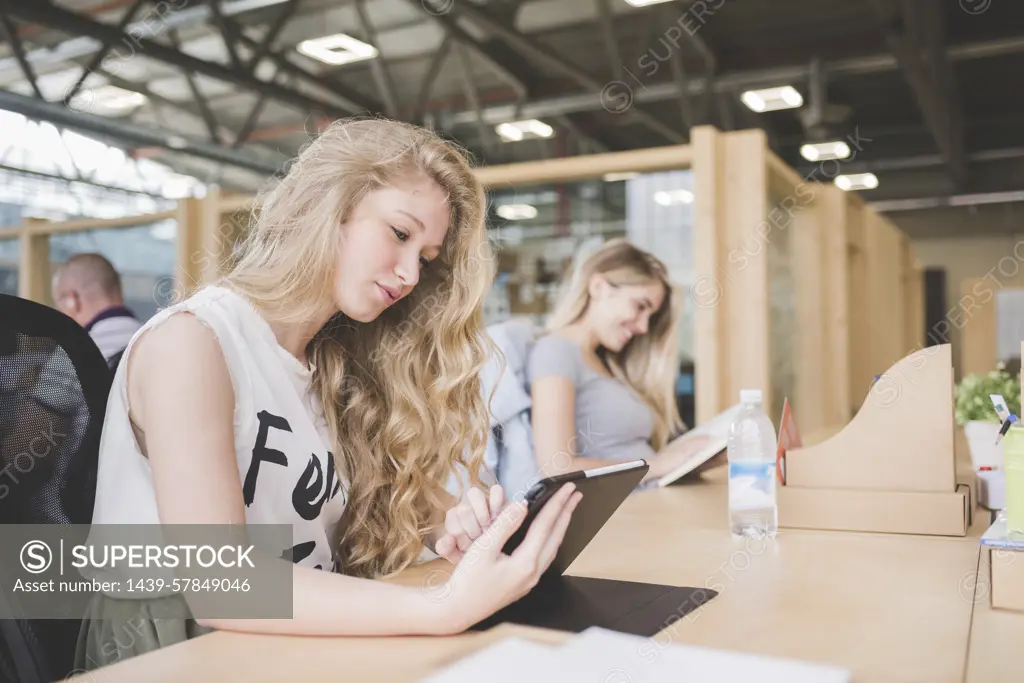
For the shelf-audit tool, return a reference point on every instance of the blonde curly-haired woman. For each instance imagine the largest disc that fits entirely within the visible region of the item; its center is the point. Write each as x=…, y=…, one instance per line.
x=329, y=381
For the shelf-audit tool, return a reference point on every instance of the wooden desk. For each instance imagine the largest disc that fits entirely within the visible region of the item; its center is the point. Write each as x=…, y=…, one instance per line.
x=890, y=608
x=996, y=635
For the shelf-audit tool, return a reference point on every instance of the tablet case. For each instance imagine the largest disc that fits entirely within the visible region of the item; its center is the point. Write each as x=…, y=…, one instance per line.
x=604, y=489
x=575, y=603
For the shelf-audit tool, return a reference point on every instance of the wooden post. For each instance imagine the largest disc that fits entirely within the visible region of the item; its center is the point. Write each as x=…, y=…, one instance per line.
x=201, y=247
x=34, y=270
x=729, y=293
x=859, y=312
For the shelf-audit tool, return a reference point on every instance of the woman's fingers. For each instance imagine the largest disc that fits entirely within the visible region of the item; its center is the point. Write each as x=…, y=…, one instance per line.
x=470, y=524
x=558, y=532
x=497, y=500
x=493, y=540
x=447, y=548
x=544, y=522
x=477, y=501
x=454, y=526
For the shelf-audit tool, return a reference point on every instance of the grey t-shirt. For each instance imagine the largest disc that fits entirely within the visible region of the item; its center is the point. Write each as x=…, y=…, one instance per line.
x=612, y=421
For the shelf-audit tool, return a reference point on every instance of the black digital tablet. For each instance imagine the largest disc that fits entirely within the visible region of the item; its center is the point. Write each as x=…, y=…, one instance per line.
x=604, y=489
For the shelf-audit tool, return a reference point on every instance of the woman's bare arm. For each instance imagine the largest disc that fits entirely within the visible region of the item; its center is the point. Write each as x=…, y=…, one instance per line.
x=554, y=434
x=182, y=399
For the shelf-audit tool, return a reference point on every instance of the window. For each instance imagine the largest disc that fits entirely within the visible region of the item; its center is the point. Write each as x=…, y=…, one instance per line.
x=9, y=250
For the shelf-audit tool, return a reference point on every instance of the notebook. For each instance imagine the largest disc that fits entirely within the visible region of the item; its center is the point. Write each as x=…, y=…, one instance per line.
x=601, y=656
x=597, y=651
x=717, y=430
x=998, y=536
x=510, y=660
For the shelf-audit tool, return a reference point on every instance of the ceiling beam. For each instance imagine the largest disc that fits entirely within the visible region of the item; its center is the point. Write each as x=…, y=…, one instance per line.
x=433, y=70
x=516, y=75
x=274, y=29
x=174, y=106
x=11, y=31
x=484, y=52
x=611, y=42
x=381, y=77
x=731, y=81
x=101, y=54
x=61, y=19
x=915, y=34
x=537, y=52
x=130, y=133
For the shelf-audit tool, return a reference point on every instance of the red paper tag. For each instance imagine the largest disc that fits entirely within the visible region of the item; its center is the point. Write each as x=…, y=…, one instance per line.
x=789, y=437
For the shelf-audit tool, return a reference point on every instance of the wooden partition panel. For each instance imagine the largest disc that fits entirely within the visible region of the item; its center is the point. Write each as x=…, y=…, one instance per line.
x=837, y=408
x=730, y=255
x=858, y=298
x=811, y=352
x=822, y=395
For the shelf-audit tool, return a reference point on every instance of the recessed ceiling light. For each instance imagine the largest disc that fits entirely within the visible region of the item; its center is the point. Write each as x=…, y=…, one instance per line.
x=108, y=98
x=176, y=142
x=337, y=49
x=772, y=99
x=520, y=130
x=825, y=151
x=645, y=3
x=670, y=197
x=517, y=212
x=857, y=181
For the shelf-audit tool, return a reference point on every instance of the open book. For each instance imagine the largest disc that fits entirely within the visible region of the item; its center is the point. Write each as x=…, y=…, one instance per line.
x=717, y=431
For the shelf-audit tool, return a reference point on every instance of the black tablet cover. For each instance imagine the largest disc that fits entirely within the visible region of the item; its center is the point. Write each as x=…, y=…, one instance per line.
x=575, y=603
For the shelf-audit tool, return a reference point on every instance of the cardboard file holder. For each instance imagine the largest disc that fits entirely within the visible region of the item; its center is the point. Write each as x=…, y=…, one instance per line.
x=1005, y=578
x=892, y=469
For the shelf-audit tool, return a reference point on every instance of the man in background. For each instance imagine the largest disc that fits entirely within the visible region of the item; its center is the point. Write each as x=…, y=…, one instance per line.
x=87, y=288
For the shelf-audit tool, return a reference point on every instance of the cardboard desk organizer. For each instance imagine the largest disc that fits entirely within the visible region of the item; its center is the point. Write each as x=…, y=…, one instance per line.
x=1003, y=559
x=892, y=468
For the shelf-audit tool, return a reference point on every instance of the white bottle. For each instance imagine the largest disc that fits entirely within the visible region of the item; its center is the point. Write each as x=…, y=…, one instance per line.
x=753, y=511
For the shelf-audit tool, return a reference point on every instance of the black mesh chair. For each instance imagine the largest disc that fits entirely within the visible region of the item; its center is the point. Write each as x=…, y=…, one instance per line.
x=53, y=395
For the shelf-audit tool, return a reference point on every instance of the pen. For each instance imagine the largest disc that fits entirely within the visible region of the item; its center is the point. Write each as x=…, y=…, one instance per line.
x=1005, y=428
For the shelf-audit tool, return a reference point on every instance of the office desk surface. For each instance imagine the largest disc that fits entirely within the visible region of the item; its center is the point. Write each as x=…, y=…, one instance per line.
x=890, y=608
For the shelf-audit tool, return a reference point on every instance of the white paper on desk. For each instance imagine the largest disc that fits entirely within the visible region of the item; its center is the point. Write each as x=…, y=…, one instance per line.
x=605, y=656
x=511, y=660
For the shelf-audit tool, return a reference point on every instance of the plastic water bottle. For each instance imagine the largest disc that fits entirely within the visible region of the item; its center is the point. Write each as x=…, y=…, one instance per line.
x=753, y=511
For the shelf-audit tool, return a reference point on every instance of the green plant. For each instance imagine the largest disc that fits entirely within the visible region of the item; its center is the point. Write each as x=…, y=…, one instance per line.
x=972, y=395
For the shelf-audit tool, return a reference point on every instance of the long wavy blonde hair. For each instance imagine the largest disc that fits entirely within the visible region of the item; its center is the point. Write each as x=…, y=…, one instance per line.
x=648, y=361
x=400, y=395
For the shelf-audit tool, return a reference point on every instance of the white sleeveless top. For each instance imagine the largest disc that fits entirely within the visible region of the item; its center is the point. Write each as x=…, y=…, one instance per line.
x=281, y=444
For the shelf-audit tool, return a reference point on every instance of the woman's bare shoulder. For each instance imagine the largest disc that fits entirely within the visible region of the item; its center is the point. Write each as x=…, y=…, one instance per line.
x=175, y=360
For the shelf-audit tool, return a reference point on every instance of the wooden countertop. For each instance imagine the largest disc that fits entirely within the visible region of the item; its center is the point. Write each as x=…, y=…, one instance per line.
x=889, y=607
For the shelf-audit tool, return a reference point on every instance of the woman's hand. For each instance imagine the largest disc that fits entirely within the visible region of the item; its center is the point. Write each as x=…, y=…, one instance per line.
x=674, y=454
x=487, y=580
x=468, y=520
